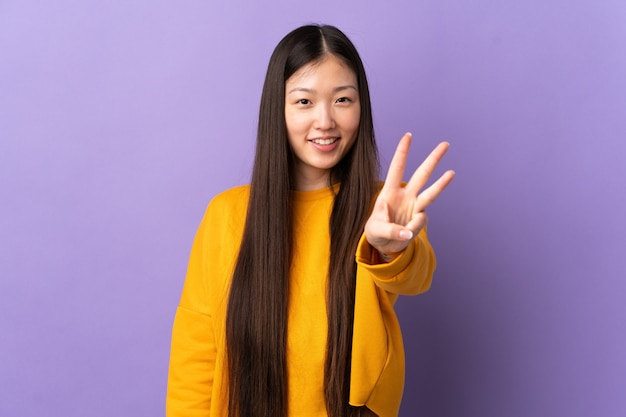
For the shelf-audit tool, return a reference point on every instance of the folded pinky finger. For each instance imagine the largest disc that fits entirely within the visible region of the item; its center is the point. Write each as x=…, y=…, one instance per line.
x=418, y=222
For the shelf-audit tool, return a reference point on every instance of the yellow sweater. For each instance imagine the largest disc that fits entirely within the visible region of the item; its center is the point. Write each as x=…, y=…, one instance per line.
x=197, y=382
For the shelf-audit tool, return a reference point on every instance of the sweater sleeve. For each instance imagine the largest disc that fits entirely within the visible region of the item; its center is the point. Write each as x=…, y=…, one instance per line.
x=192, y=362
x=377, y=374
x=193, y=349
x=409, y=274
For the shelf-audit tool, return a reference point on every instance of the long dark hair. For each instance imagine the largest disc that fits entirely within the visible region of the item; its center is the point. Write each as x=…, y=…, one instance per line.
x=256, y=323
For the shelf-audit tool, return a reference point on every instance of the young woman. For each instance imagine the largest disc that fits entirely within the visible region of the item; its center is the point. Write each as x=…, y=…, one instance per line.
x=287, y=308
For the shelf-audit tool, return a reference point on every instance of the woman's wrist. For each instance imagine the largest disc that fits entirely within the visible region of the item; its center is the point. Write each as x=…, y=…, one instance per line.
x=387, y=257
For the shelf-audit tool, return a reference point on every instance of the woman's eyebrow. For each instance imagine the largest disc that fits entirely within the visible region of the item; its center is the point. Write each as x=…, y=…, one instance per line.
x=312, y=90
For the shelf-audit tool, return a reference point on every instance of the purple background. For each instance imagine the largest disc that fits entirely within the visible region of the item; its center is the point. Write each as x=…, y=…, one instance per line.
x=120, y=120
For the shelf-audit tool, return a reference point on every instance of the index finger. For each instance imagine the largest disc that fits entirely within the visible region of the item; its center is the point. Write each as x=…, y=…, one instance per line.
x=398, y=162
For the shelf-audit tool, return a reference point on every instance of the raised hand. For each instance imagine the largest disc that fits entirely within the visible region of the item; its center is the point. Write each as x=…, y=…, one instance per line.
x=399, y=212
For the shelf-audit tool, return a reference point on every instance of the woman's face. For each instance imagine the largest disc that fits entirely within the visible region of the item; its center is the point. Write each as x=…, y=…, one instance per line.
x=322, y=112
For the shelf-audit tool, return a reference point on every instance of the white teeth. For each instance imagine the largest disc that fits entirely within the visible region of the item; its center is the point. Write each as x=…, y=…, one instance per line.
x=324, y=141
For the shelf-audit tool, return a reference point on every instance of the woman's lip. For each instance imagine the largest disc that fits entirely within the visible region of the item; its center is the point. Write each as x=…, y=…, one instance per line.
x=323, y=147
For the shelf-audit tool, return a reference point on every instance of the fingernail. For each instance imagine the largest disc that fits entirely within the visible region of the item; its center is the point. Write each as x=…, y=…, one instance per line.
x=406, y=234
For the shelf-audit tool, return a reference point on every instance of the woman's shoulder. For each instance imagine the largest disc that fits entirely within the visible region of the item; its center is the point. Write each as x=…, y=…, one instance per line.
x=232, y=200
x=232, y=194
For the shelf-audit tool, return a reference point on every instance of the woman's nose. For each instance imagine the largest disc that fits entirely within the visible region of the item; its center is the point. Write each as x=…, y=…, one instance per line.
x=324, y=118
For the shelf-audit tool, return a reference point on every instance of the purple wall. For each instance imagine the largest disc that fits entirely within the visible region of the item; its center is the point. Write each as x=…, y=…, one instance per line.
x=120, y=120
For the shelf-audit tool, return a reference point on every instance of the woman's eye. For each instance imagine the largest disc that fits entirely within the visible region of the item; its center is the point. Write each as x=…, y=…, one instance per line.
x=343, y=100
x=304, y=101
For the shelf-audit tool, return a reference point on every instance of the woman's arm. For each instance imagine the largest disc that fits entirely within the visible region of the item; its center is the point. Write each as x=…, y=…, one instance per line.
x=192, y=364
